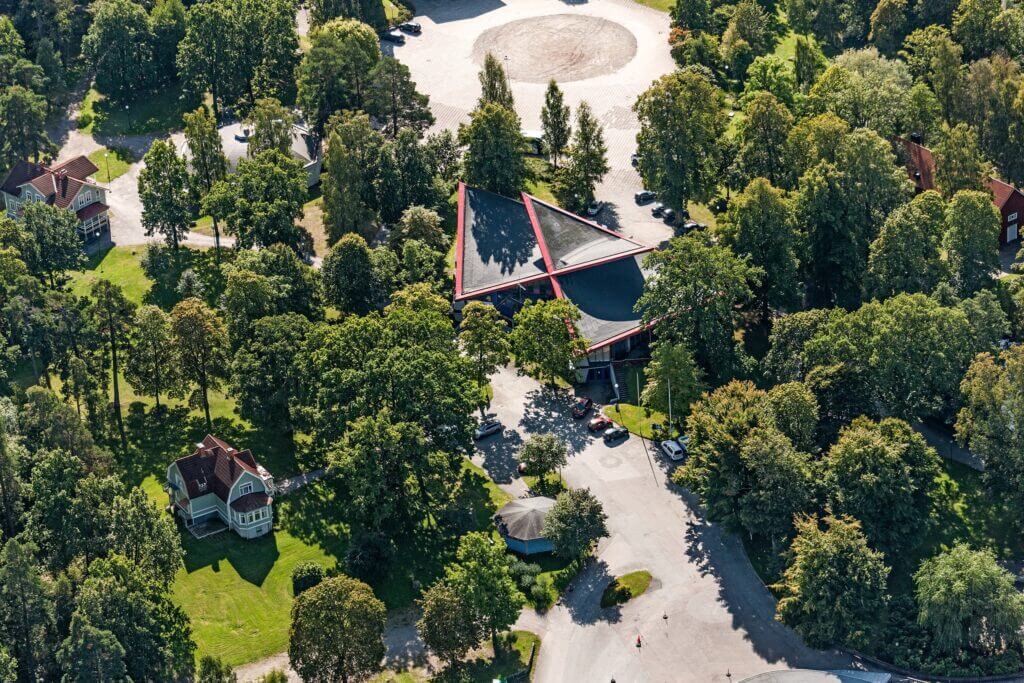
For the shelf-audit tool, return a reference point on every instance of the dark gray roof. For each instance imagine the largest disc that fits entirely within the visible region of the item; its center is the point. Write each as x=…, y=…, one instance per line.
x=572, y=241
x=523, y=519
x=499, y=244
x=606, y=295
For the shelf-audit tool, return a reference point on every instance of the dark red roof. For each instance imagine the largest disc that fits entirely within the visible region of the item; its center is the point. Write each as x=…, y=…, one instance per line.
x=920, y=164
x=214, y=467
x=58, y=184
x=251, y=501
x=87, y=212
x=1001, y=191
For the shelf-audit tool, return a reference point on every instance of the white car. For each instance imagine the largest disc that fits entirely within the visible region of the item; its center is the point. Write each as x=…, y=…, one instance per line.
x=672, y=450
x=486, y=429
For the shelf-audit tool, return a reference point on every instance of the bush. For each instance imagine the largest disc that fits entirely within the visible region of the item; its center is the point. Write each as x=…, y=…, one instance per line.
x=305, y=576
x=539, y=595
x=275, y=676
x=525, y=575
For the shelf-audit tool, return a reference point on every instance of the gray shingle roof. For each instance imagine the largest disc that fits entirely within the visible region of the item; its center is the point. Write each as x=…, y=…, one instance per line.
x=605, y=296
x=499, y=244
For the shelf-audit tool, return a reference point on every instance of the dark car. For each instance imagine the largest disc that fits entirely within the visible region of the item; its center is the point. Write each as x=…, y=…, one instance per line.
x=599, y=423
x=411, y=27
x=635, y=160
x=669, y=216
x=644, y=196
x=582, y=407
x=392, y=36
x=615, y=433
x=657, y=209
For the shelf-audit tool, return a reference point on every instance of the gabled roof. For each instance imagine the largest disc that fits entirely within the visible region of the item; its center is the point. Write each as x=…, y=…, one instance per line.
x=59, y=184
x=214, y=467
x=921, y=169
x=502, y=243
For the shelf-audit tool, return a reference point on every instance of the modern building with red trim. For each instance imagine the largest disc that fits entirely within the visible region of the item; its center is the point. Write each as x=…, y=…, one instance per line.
x=1008, y=199
x=509, y=251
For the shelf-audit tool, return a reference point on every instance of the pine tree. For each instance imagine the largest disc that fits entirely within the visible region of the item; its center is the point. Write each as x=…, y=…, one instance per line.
x=554, y=117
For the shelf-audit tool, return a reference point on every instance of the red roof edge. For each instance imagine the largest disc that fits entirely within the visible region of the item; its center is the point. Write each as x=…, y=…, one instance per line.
x=620, y=337
x=461, y=296
x=585, y=220
x=460, y=241
x=548, y=263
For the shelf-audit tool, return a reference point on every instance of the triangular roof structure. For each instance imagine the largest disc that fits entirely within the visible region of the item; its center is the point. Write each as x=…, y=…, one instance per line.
x=502, y=243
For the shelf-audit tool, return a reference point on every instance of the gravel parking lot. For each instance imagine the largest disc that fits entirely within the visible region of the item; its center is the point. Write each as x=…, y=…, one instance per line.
x=604, y=51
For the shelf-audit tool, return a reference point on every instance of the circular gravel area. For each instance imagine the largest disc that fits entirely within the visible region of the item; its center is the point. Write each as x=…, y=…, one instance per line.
x=565, y=47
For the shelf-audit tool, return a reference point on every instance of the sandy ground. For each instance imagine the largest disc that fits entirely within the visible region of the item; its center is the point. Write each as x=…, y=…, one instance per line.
x=605, y=52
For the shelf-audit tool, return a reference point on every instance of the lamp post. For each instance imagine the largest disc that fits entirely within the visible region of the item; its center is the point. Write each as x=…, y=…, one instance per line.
x=106, y=162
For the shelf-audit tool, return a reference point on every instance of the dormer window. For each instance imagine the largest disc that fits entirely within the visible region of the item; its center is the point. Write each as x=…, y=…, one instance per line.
x=201, y=484
x=246, y=489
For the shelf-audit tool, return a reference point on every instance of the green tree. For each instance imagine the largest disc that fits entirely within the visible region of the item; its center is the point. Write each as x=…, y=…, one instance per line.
x=263, y=375
x=335, y=71
x=575, y=523
x=483, y=337
x=692, y=14
x=113, y=315
x=270, y=127
x=306, y=575
x=151, y=366
x=889, y=25
x=349, y=278
x=11, y=497
x=761, y=226
x=119, y=47
x=906, y=256
x=201, y=344
x=55, y=475
x=764, y=135
x=863, y=88
x=206, y=53
x=554, y=118
x=247, y=297
x=91, y=654
x=337, y=632
x=543, y=454
x=958, y=162
x=972, y=25
x=22, y=125
x=883, y=474
x=674, y=380
x=494, y=85
x=815, y=139
x=163, y=191
x=145, y=537
x=781, y=485
x=694, y=297
x=422, y=224
x=808, y=62
x=205, y=157
x=261, y=202
x=794, y=411
x=968, y=602
x=56, y=246
x=835, y=586
x=682, y=122
x=167, y=23
x=393, y=97
x=986, y=318
x=213, y=670
x=347, y=181
x=772, y=75
x=992, y=393
x=494, y=150
x=481, y=577
x=972, y=240
x=587, y=164
x=25, y=620
x=546, y=338
x=447, y=625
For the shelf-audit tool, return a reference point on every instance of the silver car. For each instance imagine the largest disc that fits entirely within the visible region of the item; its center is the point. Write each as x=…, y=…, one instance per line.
x=486, y=429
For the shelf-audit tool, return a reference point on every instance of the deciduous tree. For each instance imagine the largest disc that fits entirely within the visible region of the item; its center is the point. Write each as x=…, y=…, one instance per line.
x=575, y=523
x=543, y=453
x=151, y=367
x=392, y=97
x=494, y=150
x=163, y=191
x=201, y=343
x=546, y=338
x=483, y=336
x=972, y=240
x=587, y=164
x=554, y=117
x=494, y=85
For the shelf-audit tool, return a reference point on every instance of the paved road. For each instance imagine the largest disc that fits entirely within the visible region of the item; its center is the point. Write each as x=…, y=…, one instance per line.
x=442, y=64
x=719, y=615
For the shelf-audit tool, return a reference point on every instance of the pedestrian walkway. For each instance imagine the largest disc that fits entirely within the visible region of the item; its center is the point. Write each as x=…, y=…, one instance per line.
x=293, y=484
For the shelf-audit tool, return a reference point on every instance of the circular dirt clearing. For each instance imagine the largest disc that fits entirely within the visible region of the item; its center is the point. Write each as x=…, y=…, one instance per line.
x=565, y=47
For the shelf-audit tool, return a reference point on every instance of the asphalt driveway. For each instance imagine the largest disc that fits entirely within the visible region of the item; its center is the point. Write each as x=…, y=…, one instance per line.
x=707, y=613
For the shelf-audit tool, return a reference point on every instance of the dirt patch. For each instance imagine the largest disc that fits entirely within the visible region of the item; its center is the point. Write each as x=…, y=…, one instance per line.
x=565, y=47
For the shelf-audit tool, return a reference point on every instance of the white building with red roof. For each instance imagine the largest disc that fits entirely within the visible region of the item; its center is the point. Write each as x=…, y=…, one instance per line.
x=69, y=185
x=218, y=487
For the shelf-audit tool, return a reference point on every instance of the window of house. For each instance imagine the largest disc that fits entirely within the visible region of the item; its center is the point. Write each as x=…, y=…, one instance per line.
x=1011, y=218
x=246, y=488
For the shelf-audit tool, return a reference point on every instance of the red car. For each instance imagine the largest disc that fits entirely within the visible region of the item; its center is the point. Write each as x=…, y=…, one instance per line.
x=599, y=424
x=582, y=407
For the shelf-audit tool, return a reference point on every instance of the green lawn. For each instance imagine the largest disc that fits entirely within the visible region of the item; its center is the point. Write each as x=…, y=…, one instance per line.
x=541, y=177
x=660, y=5
x=625, y=588
x=636, y=419
x=156, y=112
x=113, y=162
x=122, y=265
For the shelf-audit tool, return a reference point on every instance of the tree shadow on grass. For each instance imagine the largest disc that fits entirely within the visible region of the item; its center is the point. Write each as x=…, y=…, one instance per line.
x=203, y=262
x=251, y=558
x=486, y=666
x=314, y=516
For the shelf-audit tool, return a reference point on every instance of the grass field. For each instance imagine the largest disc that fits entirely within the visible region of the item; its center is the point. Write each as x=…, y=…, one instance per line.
x=626, y=587
x=156, y=112
x=660, y=5
x=112, y=162
x=122, y=265
x=483, y=667
x=539, y=182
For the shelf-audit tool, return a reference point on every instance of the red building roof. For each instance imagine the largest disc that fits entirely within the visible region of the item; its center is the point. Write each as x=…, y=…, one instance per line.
x=59, y=184
x=214, y=467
